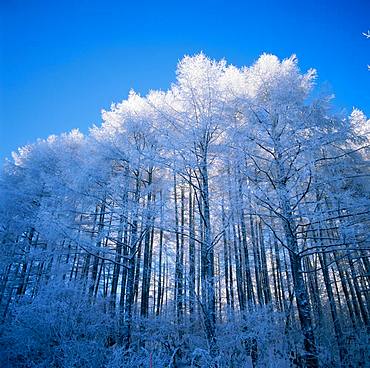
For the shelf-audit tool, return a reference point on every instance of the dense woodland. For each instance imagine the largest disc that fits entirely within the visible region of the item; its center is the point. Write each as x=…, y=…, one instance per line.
x=221, y=223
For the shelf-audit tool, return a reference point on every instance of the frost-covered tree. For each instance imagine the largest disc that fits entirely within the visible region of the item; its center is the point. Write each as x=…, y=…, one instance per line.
x=219, y=223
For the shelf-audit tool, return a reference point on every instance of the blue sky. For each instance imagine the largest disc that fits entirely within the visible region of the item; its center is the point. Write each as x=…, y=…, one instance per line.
x=61, y=62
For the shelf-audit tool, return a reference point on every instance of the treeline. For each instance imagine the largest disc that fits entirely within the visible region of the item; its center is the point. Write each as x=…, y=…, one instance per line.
x=220, y=223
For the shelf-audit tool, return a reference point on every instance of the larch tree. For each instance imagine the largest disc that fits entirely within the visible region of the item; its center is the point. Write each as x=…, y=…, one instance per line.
x=220, y=222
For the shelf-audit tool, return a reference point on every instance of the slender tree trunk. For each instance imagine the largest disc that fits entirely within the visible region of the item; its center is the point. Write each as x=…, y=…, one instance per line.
x=191, y=284
x=145, y=286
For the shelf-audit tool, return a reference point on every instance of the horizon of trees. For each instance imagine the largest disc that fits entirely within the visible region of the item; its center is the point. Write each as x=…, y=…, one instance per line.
x=222, y=222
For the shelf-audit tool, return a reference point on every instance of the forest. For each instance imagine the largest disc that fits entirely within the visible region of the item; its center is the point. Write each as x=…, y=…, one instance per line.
x=223, y=222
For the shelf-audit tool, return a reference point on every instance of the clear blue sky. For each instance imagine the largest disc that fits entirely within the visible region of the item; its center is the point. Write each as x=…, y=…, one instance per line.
x=61, y=62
